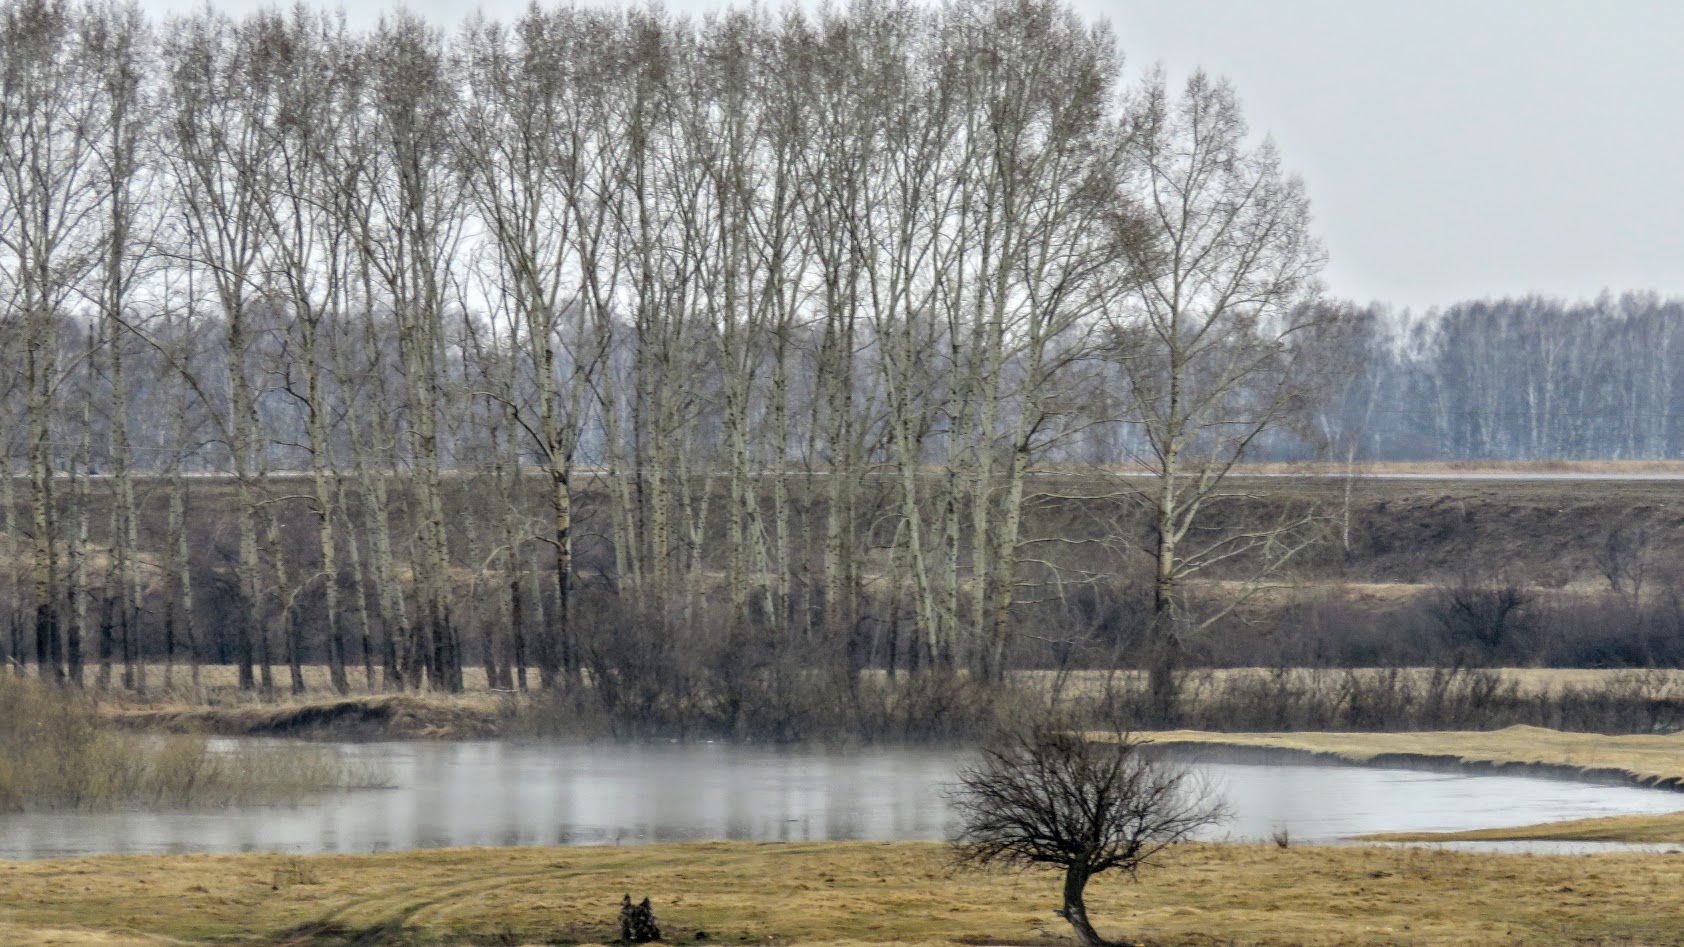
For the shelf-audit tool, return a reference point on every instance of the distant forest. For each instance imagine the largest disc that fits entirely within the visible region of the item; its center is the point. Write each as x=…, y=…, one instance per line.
x=1518, y=379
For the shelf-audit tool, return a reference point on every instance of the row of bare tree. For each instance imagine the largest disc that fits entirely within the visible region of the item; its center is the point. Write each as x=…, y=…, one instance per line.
x=806, y=307
x=1526, y=378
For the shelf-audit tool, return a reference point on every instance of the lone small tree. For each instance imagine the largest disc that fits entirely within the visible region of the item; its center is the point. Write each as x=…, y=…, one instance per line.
x=1048, y=795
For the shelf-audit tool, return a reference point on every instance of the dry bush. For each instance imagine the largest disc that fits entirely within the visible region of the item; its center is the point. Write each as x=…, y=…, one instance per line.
x=1483, y=617
x=1047, y=795
x=647, y=675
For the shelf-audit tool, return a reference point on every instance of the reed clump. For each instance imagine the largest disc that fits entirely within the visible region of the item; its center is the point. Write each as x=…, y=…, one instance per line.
x=58, y=752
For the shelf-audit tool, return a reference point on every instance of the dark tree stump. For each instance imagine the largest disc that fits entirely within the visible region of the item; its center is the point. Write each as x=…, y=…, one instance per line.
x=637, y=922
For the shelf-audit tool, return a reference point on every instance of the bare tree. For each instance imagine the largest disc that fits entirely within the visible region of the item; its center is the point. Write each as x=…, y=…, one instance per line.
x=178, y=579
x=1047, y=795
x=311, y=56
x=1220, y=343
x=804, y=306
x=51, y=116
x=1050, y=230
x=545, y=154
x=1622, y=556
x=121, y=44
x=409, y=216
x=218, y=151
x=1484, y=612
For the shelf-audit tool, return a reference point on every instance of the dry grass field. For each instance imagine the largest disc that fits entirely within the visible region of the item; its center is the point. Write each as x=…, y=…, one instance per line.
x=1642, y=758
x=1454, y=468
x=217, y=705
x=1639, y=829
x=848, y=894
x=219, y=684
x=841, y=894
x=1530, y=681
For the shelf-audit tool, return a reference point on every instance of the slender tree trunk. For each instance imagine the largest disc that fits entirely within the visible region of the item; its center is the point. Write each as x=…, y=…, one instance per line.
x=9, y=548
x=185, y=582
x=291, y=632
x=1165, y=647
x=504, y=646
x=79, y=591
x=537, y=621
x=561, y=497
x=325, y=500
x=1075, y=909
x=42, y=378
x=173, y=549
x=517, y=618
x=512, y=492
x=359, y=592
x=249, y=634
x=394, y=612
x=1165, y=644
x=178, y=580
x=126, y=534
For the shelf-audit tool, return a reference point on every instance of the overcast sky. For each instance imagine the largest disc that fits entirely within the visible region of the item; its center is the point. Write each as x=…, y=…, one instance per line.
x=1453, y=149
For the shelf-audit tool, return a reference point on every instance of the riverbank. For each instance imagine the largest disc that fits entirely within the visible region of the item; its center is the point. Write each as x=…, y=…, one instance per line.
x=1651, y=760
x=59, y=752
x=941, y=707
x=1645, y=760
x=840, y=893
x=406, y=716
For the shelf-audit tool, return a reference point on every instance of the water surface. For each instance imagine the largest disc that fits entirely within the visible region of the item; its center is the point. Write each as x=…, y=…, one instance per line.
x=513, y=793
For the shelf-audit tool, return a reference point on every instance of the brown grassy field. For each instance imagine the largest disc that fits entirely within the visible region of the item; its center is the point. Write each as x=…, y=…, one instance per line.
x=1452, y=468
x=1642, y=758
x=1434, y=523
x=219, y=684
x=841, y=894
x=1657, y=829
x=1530, y=681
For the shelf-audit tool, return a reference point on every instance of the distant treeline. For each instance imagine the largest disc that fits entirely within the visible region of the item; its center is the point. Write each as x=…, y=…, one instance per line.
x=1528, y=378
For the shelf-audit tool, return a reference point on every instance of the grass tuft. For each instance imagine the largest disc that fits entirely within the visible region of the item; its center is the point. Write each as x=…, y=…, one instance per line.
x=58, y=752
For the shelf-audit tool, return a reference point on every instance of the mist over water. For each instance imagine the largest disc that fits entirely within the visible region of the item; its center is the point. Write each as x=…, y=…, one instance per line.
x=509, y=793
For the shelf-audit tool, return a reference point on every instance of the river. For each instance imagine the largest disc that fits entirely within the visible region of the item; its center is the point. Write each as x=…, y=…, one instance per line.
x=518, y=793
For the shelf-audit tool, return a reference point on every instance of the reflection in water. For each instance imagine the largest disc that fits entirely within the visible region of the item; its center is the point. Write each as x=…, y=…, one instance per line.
x=506, y=793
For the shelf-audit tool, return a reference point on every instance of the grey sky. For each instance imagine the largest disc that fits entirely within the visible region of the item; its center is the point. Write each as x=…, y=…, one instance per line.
x=1458, y=149
x=1453, y=150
